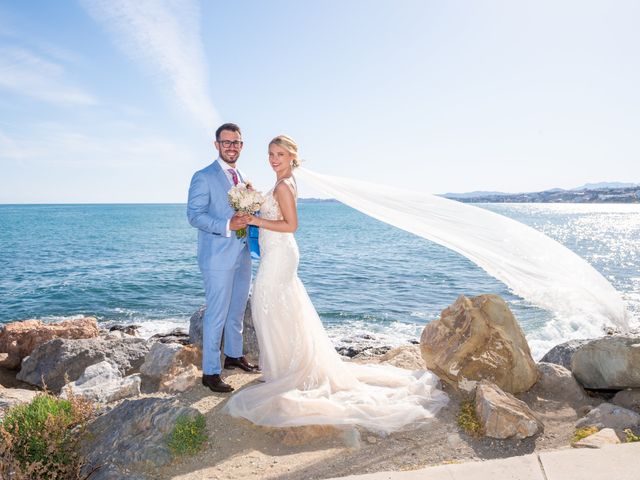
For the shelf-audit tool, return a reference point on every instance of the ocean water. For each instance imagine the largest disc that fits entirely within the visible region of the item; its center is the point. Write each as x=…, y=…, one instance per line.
x=371, y=283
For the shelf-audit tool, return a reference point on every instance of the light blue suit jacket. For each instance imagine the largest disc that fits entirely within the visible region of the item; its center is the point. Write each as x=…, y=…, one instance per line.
x=208, y=210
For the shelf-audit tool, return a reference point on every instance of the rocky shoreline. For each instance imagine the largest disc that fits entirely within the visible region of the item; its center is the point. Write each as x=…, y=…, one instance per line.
x=142, y=386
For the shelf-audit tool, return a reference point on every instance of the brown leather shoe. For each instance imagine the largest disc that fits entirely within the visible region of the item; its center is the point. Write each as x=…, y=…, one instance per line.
x=230, y=363
x=216, y=384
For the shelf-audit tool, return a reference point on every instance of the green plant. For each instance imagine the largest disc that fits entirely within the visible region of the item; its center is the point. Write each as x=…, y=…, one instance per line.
x=468, y=420
x=188, y=435
x=583, y=432
x=40, y=439
x=631, y=437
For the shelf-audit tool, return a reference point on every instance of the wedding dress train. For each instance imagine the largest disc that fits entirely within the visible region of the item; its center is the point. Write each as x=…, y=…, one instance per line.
x=305, y=380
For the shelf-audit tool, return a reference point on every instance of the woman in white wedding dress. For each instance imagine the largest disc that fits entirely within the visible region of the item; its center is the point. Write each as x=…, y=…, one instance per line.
x=305, y=380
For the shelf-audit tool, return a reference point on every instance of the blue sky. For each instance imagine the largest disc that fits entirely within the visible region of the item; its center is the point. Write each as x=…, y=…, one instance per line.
x=116, y=100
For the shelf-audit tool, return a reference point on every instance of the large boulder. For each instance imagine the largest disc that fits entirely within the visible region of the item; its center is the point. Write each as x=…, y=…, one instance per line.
x=249, y=337
x=132, y=436
x=54, y=362
x=607, y=415
x=476, y=339
x=19, y=339
x=563, y=353
x=502, y=415
x=103, y=383
x=610, y=363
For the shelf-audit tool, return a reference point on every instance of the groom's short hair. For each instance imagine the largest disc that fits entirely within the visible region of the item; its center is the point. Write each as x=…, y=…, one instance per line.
x=227, y=126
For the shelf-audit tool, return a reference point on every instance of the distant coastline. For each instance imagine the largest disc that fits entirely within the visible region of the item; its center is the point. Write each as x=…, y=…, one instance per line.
x=580, y=195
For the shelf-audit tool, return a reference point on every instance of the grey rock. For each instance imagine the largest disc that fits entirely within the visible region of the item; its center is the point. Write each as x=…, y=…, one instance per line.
x=628, y=399
x=250, y=339
x=103, y=383
x=557, y=383
x=133, y=435
x=160, y=360
x=502, y=415
x=611, y=363
x=128, y=329
x=608, y=415
x=50, y=362
x=177, y=335
x=562, y=354
x=10, y=397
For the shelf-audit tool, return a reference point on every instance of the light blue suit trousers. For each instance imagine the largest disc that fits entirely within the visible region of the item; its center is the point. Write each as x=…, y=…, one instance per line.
x=225, y=263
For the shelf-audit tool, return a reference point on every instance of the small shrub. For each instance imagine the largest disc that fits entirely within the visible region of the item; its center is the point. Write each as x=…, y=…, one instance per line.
x=188, y=435
x=631, y=437
x=40, y=439
x=468, y=420
x=583, y=432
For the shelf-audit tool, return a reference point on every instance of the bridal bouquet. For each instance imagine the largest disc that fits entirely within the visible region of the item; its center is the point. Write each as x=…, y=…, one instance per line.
x=244, y=199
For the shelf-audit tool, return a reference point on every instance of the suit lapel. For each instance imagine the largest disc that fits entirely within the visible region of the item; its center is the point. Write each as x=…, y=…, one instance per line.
x=221, y=176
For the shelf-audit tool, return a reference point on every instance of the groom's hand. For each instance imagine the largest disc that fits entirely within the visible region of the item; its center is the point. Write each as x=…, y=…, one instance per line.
x=238, y=221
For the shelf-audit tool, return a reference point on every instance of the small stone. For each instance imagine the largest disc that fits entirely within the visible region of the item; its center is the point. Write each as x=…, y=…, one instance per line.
x=372, y=439
x=606, y=436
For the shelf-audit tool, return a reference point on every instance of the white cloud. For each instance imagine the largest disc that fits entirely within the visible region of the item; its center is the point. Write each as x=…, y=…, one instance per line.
x=54, y=144
x=26, y=73
x=163, y=36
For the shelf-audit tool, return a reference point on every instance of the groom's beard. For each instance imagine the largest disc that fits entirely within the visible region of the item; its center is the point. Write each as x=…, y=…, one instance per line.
x=230, y=161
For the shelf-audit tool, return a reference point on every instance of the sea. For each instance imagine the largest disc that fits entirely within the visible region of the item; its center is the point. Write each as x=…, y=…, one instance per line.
x=371, y=283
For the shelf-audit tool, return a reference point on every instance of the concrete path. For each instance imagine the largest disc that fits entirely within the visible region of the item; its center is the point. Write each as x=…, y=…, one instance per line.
x=613, y=461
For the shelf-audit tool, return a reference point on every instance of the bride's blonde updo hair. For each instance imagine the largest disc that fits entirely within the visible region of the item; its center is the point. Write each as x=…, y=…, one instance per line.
x=290, y=145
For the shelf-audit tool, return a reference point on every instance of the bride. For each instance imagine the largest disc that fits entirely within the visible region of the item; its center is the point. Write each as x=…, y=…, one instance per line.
x=305, y=380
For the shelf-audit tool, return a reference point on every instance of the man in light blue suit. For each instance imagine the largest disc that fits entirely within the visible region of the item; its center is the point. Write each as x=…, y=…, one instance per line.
x=223, y=258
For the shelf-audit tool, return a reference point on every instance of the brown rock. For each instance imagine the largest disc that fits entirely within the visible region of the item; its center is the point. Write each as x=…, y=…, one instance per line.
x=407, y=357
x=502, y=415
x=19, y=339
x=476, y=339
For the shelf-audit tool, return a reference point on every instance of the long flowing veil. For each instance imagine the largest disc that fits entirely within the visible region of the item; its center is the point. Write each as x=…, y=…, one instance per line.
x=532, y=265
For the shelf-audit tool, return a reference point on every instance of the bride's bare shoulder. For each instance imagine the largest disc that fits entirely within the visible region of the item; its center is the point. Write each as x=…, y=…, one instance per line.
x=286, y=185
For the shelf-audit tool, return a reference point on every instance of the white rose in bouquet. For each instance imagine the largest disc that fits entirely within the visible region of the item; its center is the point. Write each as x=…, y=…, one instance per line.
x=243, y=198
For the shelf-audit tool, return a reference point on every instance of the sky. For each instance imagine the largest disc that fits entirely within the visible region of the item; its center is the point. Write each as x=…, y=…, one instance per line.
x=118, y=100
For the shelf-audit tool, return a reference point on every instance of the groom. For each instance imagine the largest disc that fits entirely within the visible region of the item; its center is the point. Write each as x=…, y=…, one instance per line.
x=224, y=259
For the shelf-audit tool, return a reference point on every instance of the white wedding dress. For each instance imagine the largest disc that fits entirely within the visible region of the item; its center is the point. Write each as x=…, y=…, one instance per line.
x=305, y=380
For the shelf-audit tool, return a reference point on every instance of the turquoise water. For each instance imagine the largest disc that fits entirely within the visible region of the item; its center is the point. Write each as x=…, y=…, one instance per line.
x=136, y=263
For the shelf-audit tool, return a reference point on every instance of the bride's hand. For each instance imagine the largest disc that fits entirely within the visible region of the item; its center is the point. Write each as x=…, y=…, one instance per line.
x=253, y=220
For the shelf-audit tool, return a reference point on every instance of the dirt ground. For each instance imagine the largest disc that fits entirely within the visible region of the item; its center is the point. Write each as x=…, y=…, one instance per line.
x=238, y=449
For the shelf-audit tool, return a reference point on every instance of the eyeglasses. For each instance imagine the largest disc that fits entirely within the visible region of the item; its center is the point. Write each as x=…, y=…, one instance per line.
x=228, y=143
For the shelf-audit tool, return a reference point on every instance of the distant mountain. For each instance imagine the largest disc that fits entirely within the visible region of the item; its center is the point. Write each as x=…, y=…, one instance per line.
x=317, y=200
x=591, y=193
x=605, y=185
x=473, y=194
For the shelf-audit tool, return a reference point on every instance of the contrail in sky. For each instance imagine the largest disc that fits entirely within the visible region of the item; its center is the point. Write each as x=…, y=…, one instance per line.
x=164, y=37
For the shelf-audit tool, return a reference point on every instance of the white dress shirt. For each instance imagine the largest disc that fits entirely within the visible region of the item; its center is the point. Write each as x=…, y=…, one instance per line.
x=225, y=168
